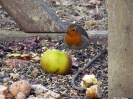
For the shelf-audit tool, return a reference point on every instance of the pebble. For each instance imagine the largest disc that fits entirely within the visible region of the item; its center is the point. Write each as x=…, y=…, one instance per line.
x=2, y=74
x=58, y=83
x=5, y=80
x=63, y=82
x=2, y=88
x=14, y=76
x=34, y=73
x=2, y=97
x=1, y=80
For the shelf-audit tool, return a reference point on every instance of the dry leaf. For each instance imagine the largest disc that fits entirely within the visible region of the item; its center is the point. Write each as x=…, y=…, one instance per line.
x=96, y=2
x=15, y=62
x=94, y=92
x=75, y=63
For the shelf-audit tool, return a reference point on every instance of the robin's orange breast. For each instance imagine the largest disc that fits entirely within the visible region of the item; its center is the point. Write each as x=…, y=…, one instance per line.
x=73, y=39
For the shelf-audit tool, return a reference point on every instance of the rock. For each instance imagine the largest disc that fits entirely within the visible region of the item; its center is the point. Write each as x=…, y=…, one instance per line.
x=94, y=92
x=21, y=95
x=33, y=16
x=20, y=86
x=2, y=97
x=6, y=79
x=2, y=89
x=44, y=93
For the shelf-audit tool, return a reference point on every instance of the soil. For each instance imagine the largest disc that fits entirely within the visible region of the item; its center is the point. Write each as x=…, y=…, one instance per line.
x=90, y=16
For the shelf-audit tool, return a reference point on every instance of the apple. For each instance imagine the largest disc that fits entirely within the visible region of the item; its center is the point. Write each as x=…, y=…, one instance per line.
x=56, y=62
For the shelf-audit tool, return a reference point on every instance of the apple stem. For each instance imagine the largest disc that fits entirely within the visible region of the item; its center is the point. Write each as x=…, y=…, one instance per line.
x=84, y=68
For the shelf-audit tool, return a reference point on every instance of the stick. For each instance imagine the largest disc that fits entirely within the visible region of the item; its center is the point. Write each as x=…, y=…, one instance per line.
x=85, y=67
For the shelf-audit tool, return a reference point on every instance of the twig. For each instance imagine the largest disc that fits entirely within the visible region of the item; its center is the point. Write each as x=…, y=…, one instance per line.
x=85, y=67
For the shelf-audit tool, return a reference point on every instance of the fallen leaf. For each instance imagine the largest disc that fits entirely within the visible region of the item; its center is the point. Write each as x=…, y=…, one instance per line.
x=15, y=62
x=13, y=46
x=96, y=2
x=15, y=55
x=31, y=45
x=14, y=75
x=16, y=47
x=7, y=95
x=52, y=2
x=32, y=39
x=75, y=63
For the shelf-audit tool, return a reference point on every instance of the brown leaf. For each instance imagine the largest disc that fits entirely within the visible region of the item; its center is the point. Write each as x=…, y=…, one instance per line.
x=32, y=39
x=96, y=2
x=15, y=62
x=77, y=18
x=52, y=2
x=7, y=95
x=15, y=47
x=31, y=45
x=75, y=63
x=91, y=71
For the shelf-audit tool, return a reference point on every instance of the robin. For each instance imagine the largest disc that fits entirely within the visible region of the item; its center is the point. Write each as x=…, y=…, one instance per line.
x=76, y=37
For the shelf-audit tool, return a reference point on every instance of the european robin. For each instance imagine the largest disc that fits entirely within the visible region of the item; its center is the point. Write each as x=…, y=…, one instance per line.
x=76, y=37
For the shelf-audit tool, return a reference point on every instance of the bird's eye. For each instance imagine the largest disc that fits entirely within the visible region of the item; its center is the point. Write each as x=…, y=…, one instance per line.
x=74, y=29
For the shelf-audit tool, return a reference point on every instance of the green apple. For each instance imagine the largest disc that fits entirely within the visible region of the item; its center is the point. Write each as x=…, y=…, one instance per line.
x=56, y=62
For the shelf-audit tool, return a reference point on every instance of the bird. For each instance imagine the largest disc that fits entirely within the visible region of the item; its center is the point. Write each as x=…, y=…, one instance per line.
x=76, y=37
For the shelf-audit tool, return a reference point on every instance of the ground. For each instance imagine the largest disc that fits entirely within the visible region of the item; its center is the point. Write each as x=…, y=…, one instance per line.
x=91, y=17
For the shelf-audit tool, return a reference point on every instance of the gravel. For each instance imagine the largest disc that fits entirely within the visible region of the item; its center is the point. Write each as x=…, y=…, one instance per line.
x=61, y=84
x=90, y=16
x=58, y=83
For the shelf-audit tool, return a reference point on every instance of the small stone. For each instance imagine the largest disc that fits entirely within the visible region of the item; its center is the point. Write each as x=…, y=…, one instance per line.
x=21, y=95
x=20, y=86
x=2, y=97
x=94, y=92
x=34, y=73
x=5, y=80
x=1, y=80
x=14, y=75
x=2, y=74
x=5, y=84
x=90, y=23
x=33, y=97
x=2, y=89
